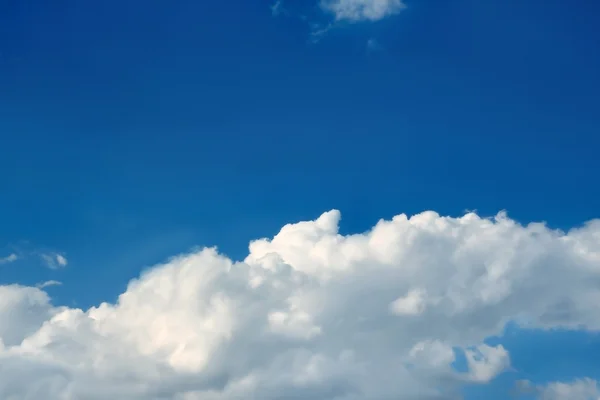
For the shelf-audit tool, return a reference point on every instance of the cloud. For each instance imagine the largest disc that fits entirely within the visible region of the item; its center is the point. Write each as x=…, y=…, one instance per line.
x=340, y=11
x=486, y=362
x=61, y=260
x=317, y=31
x=362, y=10
x=579, y=389
x=310, y=313
x=48, y=284
x=277, y=8
x=8, y=259
x=373, y=46
x=54, y=260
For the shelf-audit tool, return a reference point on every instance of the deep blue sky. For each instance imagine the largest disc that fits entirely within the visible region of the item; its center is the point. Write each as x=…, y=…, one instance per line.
x=133, y=130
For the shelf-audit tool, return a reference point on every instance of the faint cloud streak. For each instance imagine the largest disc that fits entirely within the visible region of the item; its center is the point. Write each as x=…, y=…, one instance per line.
x=373, y=46
x=9, y=259
x=48, y=284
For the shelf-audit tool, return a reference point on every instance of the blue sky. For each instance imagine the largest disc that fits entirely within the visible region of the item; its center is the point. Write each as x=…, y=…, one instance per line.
x=133, y=131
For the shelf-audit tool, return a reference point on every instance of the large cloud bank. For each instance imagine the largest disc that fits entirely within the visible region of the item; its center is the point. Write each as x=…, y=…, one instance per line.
x=310, y=314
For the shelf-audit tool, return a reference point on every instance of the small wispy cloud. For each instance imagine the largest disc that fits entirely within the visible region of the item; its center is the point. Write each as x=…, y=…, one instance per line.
x=373, y=46
x=8, y=259
x=339, y=13
x=278, y=9
x=318, y=31
x=48, y=284
x=362, y=10
x=54, y=260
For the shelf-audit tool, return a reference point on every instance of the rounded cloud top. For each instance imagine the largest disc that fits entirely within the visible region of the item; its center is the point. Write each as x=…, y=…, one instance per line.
x=310, y=313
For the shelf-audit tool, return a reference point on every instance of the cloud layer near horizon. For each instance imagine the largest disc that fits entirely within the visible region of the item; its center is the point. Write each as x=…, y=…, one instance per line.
x=310, y=314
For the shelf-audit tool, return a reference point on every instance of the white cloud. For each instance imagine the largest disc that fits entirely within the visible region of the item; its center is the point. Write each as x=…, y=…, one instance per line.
x=8, y=259
x=61, y=260
x=48, y=284
x=411, y=304
x=579, y=389
x=54, y=260
x=362, y=10
x=486, y=362
x=22, y=311
x=310, y=314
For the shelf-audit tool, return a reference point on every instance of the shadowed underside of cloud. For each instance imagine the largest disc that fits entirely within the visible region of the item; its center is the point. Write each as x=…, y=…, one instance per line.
x=310, y=314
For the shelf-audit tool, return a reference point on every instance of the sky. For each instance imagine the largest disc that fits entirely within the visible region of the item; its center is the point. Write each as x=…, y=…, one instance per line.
x=172, y=173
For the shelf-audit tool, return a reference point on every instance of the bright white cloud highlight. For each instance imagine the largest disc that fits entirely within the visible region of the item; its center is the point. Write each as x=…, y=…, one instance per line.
x=362, y=10
x=310, y=314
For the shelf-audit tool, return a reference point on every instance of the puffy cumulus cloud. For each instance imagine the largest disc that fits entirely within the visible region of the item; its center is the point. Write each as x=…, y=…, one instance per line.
x=362, y=10
x=310, y=313
x=579, y=389
x=23, y=310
